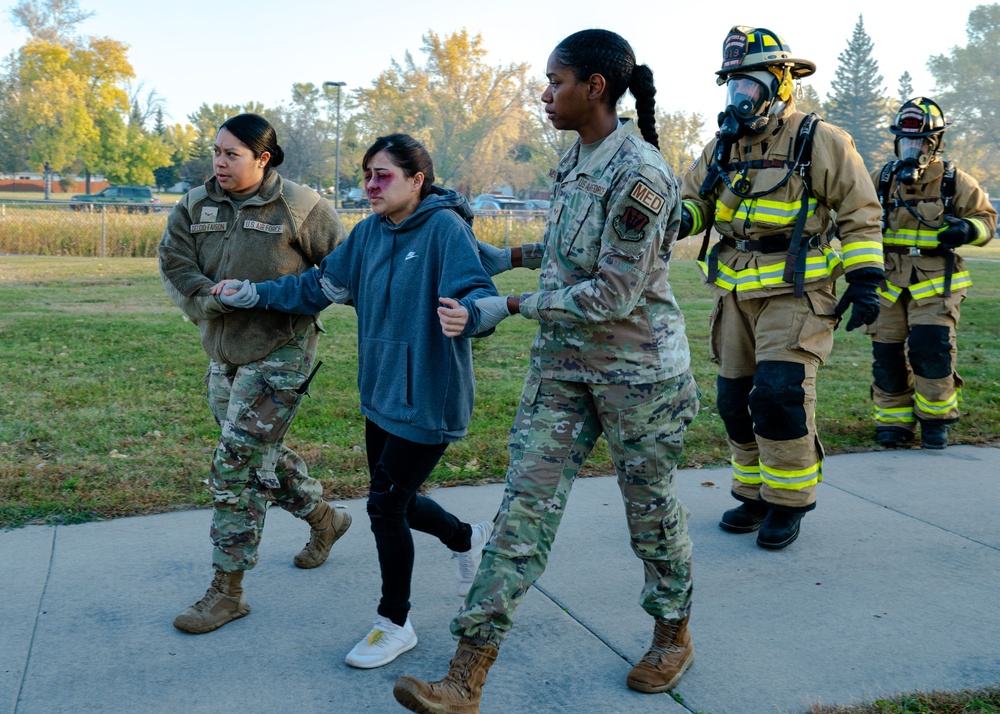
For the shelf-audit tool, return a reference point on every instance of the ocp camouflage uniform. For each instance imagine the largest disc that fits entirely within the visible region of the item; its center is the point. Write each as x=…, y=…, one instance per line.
x=767, y=343
x=259, y=359
x=610, y=357
x=917, y=306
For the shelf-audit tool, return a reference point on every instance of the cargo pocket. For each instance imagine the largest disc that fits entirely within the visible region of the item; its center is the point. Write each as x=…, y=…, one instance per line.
x=574, y=245
x=812, y=324
x=529, y=393
x=270, y=414
x=653, y=435
x=714, y=323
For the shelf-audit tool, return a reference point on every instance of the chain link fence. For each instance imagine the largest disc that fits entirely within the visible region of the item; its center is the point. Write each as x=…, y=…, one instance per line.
x=97, y=230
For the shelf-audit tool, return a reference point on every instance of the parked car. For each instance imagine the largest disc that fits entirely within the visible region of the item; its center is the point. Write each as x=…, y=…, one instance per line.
x=489, y=202
x=138, y=199
x=355, y=198
x=537, y=204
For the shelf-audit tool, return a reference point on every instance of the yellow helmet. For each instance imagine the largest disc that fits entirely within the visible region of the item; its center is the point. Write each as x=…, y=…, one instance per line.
x=752, y=48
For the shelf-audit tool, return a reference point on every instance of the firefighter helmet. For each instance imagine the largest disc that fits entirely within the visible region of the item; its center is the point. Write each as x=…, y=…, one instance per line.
x=751, y=48
x=920, y=116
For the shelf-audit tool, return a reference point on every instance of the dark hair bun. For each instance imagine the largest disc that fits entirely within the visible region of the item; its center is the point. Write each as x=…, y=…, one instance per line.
x=277, y=156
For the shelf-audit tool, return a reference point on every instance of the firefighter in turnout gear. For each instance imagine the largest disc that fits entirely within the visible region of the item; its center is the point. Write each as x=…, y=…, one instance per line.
x=929, y=208
x=770, y=183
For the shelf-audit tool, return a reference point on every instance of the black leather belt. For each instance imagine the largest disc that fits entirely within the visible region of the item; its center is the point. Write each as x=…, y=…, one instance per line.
x=767, y=244
x=914, y=251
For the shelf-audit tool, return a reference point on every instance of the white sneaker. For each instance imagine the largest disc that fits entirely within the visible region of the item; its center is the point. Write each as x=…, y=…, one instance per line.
x=468, y=562
x=384, y=643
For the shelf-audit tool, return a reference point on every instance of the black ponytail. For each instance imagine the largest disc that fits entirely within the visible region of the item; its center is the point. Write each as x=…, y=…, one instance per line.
x=644, y=91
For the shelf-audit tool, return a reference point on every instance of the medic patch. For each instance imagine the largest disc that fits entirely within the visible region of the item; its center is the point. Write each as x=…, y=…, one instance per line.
x=264, y=227
x=207, y=227
x=630, y=223
x=734, y=49
x=591, y=187
x=209, y=214
x=648, y=197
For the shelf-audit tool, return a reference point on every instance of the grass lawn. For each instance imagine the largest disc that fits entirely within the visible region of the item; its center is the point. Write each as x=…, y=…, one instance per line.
x=105, y=415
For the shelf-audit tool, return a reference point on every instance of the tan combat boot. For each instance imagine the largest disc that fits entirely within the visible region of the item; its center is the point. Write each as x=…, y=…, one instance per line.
x=461, y=688
x=328, y=524
x=224, y=602
x=662, y=667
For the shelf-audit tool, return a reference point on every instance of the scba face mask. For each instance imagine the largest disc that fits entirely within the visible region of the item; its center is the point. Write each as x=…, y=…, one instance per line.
x=914, y=153
x=749, y=96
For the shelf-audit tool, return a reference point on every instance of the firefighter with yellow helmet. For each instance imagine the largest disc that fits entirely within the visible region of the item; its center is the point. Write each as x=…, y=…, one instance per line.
x=930, y=208
x=777, y=184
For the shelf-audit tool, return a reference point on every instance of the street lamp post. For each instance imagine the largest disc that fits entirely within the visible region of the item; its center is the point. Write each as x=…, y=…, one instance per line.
x=336, y=160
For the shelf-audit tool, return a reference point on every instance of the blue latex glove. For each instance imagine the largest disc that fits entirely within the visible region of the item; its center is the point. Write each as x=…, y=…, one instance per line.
x=495, y=260
x=245, y=297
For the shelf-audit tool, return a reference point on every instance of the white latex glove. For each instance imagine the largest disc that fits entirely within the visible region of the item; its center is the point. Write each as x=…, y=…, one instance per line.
x=492, y=311
x=245, y=297
x=495, y=260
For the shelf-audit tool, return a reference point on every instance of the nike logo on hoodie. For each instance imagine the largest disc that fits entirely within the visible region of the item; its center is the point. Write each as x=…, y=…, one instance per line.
x=409, y=255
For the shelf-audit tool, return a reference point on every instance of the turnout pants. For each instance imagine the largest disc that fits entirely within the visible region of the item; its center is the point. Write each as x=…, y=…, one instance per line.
x=251, y=467
x=913, y=366
x=768, y=351
x=555, y=429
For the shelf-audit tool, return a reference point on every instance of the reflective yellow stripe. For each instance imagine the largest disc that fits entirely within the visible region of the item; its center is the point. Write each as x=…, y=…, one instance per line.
x=982, y=235
x=769, y=276
x=939, y=408
x=780, y=213
x=935, y=286
x=792, y=480
x=910, y=238
x=895, y=415
x=746, y=474
x=862, y=251
x=891, y=292
x=697, y=223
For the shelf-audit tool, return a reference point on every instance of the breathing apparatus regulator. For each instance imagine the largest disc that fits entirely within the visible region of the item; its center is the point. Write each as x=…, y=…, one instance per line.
x=919, y=130
x=759, y=73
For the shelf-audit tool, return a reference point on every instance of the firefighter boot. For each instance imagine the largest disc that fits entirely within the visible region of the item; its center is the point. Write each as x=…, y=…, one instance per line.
x=461, y=688
x=224, y=602
x=328, y=524
x=745, y=518
x=662, y=667
x=779, y=529
x=892, y=437
x=933, y=434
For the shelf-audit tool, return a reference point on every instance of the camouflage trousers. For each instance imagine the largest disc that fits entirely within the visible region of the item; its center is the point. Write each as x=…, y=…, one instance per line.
x=251, y=467
x=556, y=427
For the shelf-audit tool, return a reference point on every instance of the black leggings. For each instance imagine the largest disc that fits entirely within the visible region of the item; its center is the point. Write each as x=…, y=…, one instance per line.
x=398, y=469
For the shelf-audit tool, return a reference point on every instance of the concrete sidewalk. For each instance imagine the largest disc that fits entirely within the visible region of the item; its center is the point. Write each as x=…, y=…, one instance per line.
x=892, y=586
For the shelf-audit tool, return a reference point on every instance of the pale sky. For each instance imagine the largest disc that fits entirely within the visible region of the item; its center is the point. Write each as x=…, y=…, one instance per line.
x=220, y=51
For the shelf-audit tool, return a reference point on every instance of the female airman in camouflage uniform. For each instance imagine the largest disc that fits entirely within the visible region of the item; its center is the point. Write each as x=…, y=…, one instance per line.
x=611, y=357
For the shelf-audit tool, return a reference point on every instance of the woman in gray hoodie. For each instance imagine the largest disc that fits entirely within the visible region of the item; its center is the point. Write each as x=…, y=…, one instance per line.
x=415, y=257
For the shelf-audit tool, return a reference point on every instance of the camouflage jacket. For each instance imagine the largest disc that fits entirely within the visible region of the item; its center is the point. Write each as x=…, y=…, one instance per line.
x=606, y=312
x=842, y=198
x=285, y=228
x=923, y=273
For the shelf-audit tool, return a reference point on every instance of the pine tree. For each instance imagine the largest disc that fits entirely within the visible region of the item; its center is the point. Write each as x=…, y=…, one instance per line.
x=905, y=88
x=858, y=104
x=159, y=127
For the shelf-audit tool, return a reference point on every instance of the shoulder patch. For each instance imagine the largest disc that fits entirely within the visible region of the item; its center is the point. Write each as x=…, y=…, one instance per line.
x=648, y=197
x=630, y=223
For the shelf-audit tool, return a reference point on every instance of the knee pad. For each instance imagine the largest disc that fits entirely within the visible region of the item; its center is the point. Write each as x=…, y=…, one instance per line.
x=930, y=351
x=733, y=404
x=777, y=401
x=889, y=369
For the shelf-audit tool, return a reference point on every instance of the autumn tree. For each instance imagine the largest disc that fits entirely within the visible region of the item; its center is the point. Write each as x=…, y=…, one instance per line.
x=858, y=104
x=680, y=139
x=467, y=113
x=305, y=135
x=968, y=82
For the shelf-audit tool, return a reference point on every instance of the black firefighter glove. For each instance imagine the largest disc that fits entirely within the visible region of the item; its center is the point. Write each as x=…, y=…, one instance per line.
x=959, y=232
x=862, y=293
x=687, y=223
